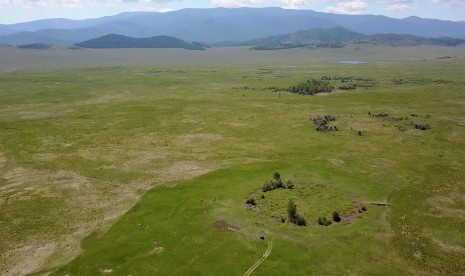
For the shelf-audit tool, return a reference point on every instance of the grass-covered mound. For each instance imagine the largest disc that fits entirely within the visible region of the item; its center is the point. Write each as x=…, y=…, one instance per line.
x=313, y=200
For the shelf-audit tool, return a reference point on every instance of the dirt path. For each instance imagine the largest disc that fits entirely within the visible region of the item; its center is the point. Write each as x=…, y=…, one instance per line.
x=261, y=260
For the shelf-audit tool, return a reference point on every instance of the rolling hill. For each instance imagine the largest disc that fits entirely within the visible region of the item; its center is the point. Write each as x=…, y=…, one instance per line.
x=219, y=24
x=121, y=41
x=314, y=37
x=335, y=37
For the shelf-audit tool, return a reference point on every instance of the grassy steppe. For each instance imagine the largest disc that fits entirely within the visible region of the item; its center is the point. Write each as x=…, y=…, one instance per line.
x=80, y=147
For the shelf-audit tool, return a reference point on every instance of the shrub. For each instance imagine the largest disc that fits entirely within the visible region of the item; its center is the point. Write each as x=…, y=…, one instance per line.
x=289, y=184
x=277, y=184
x=267, y=186
x=251, y=201
x=321, y=123
x=336, y=216
x=422, y=126
x=324, y=221
x=299, y=220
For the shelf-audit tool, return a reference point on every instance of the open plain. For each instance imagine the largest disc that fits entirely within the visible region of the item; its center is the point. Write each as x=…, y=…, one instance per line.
x=135, y=162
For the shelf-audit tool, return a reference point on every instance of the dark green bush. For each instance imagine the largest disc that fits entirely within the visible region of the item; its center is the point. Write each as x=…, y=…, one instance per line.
x=336, y=216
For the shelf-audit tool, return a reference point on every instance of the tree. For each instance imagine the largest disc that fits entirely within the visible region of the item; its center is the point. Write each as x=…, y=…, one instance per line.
x=291, y=210
x=276, y=176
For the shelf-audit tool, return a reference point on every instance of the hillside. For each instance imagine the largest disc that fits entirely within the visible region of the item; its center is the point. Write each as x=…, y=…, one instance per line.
x=120, y=41
x=411, y=40
x=318, y=37
x=219, y=24
x=336, y=37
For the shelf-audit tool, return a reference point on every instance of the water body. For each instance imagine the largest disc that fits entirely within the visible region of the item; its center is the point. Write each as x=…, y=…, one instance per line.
x=348, y=61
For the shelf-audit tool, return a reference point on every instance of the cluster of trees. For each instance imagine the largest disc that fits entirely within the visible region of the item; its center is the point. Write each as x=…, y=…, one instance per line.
x=277, y=183
x=420, y=81
x=36, y=46
x=321, y=123
x=345, y=79
x=379, y=115
x=350, y=82
x=349, y=86
x=291, y=45
x=244, y=88
x=403, y=127
x=311, y=87
x=384, y=115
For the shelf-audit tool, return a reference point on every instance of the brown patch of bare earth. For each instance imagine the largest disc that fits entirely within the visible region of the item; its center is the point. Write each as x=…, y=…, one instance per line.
x=224, y=226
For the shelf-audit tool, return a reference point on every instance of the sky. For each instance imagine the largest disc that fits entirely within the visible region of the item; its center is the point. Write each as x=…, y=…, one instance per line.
x=14, y=11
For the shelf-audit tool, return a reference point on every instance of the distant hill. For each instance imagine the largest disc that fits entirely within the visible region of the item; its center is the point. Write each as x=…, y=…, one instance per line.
x=317, y=37
x=37, y=46
x=336, y=37
x=411, y=40
x=121, y=41
x=219, y=24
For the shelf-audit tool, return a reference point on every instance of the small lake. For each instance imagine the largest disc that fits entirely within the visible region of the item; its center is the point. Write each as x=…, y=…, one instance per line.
x=348, y=61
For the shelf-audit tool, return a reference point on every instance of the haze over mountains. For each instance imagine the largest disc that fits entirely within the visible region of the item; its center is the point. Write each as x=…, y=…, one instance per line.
x=219, y=24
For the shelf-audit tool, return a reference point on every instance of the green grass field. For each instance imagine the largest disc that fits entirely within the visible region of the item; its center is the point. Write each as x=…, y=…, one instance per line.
x=144, y=167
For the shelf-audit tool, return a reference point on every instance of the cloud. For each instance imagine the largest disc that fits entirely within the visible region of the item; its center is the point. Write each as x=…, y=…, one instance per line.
x=288, y=4
x=450, y=3
x=398, y=5
x=236, y=3
x=293, y=4
x=348, y=7
x=71, y=3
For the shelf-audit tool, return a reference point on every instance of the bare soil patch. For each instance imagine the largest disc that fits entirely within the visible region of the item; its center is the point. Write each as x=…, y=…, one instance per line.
x=224, y=226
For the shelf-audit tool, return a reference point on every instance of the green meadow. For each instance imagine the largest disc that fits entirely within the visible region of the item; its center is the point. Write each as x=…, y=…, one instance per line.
x=141, y=162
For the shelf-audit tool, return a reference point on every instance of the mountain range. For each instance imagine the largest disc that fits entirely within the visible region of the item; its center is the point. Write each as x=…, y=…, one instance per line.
x=219, y=24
